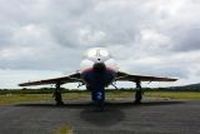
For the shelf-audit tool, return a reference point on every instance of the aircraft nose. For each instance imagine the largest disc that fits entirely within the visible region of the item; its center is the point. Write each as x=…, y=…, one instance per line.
x=99, y=67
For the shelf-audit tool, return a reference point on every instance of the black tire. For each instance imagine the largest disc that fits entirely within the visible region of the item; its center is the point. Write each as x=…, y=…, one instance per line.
x=138, y=97
x=58, y=98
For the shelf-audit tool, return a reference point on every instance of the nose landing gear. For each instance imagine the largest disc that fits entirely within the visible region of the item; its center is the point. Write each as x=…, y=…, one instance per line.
x=98, y=97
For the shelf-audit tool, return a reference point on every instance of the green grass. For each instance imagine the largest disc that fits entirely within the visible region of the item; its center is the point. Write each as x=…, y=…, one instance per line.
x=20, y=98
x=12, y=98
x=64, y=129
x=7, y=99
x=187, y=95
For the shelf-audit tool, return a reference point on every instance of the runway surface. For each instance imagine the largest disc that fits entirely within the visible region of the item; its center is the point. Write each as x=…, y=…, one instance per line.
x=122, y=117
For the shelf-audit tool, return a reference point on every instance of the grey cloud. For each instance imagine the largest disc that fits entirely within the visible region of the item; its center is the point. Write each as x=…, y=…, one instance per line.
x=159, y=69
x=188, y=40
x=53, y=34
x=5, y=37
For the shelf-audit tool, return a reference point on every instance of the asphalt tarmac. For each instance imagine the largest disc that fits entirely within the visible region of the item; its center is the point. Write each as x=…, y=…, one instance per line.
x=121, y=117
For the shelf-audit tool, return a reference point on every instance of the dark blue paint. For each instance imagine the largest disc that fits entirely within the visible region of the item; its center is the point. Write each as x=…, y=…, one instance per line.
x=97, y=81
x=98, y=95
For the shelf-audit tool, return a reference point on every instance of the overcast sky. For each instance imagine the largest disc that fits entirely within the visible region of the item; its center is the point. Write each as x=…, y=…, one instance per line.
x=46, y=38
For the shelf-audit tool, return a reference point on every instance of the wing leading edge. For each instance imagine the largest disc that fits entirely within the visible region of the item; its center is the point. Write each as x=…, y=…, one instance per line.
x=121, y=76
x=62, y=80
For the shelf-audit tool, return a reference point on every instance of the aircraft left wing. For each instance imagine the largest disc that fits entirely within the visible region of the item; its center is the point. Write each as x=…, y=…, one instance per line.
x=62, y=80
x=121, y=76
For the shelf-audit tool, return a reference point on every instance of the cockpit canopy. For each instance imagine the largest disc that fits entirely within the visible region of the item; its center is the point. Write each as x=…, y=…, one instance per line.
x=98, y=54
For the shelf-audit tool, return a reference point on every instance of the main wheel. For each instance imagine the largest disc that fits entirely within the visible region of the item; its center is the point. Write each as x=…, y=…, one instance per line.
x=138, y=97
x=58, y=98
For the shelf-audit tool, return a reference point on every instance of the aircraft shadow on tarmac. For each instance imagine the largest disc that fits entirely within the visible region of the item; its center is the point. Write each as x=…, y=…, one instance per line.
x=111, y=115
x=108, y=117
x=113, y=104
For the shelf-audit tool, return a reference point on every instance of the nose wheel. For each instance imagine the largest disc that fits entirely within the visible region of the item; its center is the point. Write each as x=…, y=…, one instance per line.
x=98, y=97
x=138, y=93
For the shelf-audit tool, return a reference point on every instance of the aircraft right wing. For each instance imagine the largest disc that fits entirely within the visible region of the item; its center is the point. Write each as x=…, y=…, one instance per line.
x=121, y=76
x=62, y=80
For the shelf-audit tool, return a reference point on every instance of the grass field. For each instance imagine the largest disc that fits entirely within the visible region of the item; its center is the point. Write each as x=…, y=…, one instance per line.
x=12, y=98
x=186, y=95
x=64, y=129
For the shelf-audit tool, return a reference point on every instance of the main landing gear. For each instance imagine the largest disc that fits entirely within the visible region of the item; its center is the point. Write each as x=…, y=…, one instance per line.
x=138, y=93
x=58, y=95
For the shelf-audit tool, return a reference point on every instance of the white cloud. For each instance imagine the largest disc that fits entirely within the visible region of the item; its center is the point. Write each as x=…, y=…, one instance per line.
x=155, y=37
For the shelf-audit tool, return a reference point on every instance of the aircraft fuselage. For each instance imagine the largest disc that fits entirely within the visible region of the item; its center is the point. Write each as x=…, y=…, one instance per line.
x=98, y=73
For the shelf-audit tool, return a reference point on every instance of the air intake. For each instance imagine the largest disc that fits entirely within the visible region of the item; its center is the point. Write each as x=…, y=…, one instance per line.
x=99, y=67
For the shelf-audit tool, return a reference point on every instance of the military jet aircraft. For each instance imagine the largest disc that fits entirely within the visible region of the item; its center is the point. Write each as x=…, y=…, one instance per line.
x=98, y=70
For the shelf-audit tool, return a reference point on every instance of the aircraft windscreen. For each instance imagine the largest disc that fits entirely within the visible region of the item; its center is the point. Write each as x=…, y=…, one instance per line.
x=104, y=53
x=95, y=55
x=98, y=55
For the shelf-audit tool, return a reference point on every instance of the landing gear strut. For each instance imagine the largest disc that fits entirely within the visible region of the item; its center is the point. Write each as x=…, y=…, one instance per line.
x=138, y=93
x=57, y=95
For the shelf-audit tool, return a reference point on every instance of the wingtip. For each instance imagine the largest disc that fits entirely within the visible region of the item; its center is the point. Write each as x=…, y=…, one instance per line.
x=20, y=85
x=174, y=79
